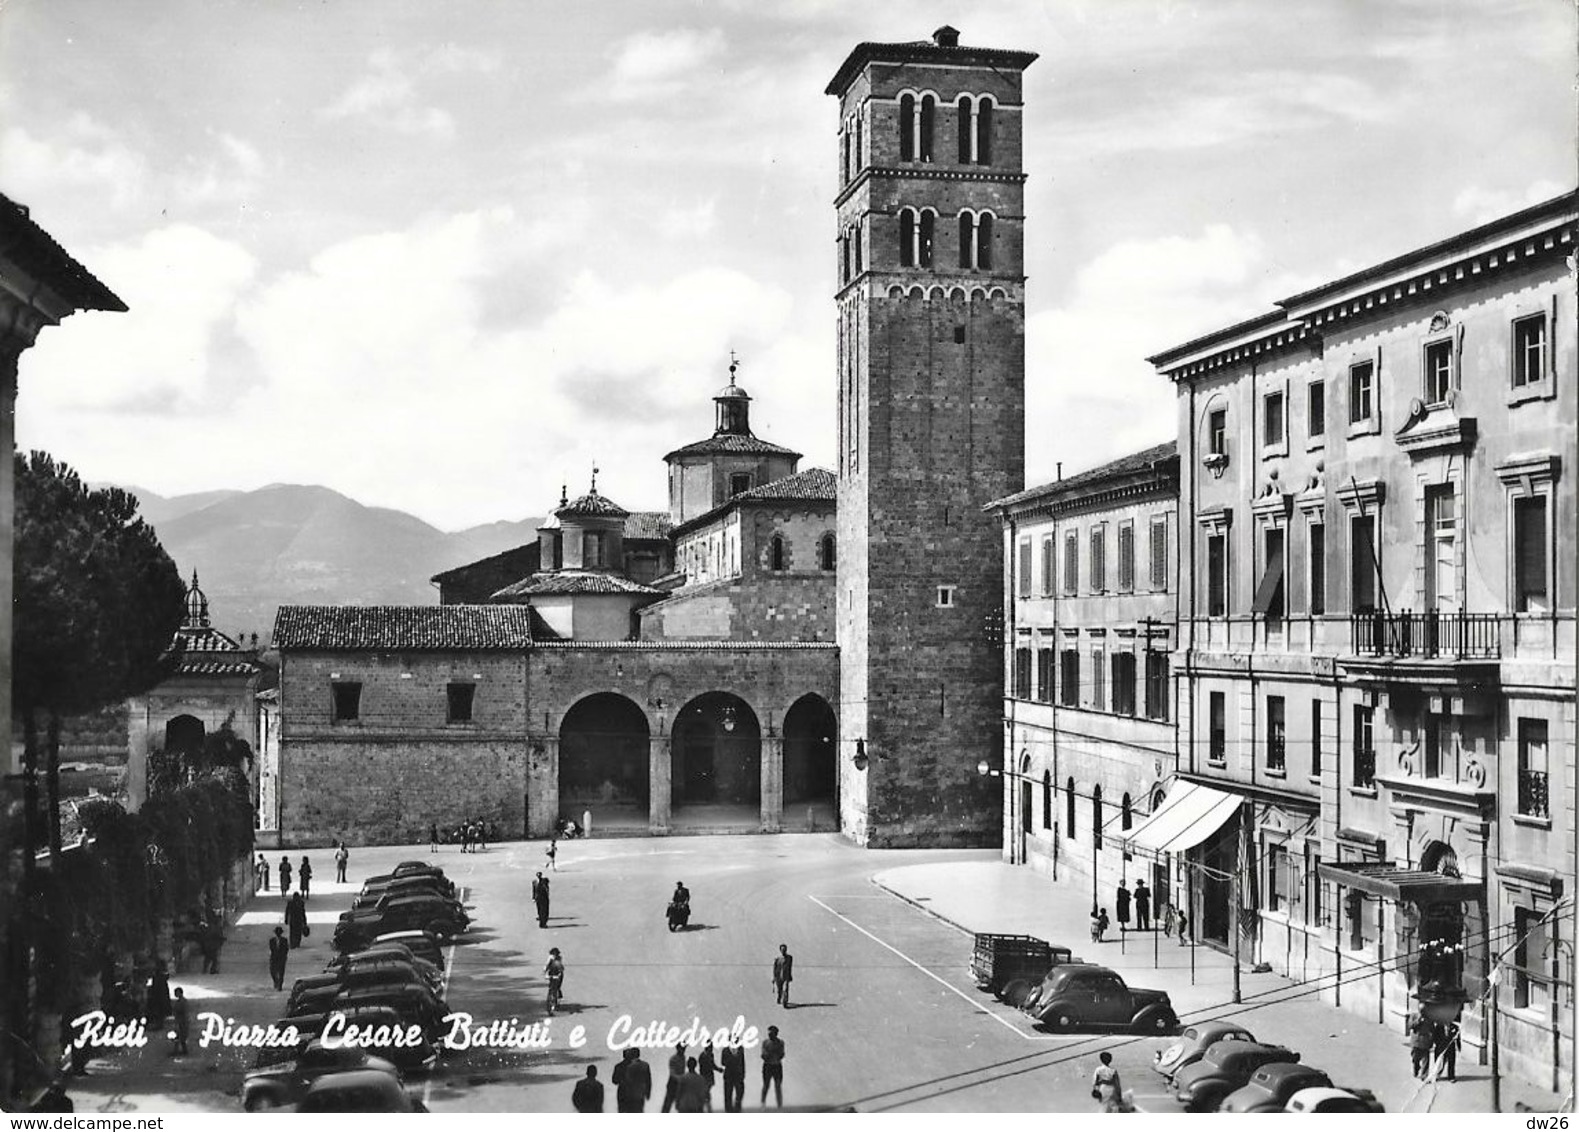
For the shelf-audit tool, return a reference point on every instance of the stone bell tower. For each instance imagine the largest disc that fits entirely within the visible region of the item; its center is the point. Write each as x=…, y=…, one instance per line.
x=931, y=364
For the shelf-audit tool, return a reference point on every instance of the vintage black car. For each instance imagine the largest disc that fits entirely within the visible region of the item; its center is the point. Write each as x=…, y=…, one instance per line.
x=1225, y=1067
x=363, y=975
x=1195, y=1041
x=1084, y=996
x=389, y=954
x=405, y=886
x=424, y=945
x=441, y=918
x=359, y=1090
x=379, y=1021
x=285, y=1075
x=414, y=869
x=1270, y=1087
x=411, y=1001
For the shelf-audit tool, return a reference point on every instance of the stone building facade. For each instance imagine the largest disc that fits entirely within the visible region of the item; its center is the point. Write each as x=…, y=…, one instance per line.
x=1377, y=634
x=1090, y=612
x=931, y=368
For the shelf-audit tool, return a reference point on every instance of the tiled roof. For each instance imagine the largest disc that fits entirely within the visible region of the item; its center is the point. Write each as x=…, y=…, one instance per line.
x=37, y=251
x=1145, y=460
x=648, y=524
x=733, y=442
x=208, y=652
x=695, y=646
x=418, y=628
x=198, y=666
x=925, y=51
x=813, y=483
x=572, y=582
x=591, y=504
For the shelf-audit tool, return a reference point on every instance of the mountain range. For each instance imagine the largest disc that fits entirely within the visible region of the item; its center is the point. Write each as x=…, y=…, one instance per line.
x=300, y=544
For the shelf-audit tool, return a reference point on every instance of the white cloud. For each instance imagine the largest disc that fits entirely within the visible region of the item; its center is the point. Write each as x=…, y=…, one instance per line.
x=180, y=283
x=1478, y=204
x=83, y=155
x=684, y=223
x=453, y=59
x=385, y=95
x=649, y=64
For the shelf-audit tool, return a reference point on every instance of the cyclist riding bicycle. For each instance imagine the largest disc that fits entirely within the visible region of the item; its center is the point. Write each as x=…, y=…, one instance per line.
x=555, y=970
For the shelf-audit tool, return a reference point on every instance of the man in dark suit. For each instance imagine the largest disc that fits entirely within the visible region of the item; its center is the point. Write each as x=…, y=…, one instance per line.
x=734, y=1064
x=632, y=1082
x=783, y=974
x=279, y=951
x=588, y=1094
x=540, y=898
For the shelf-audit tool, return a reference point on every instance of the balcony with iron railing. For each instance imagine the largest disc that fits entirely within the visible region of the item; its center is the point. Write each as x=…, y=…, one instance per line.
x=1534, y=801
x=1432, y=635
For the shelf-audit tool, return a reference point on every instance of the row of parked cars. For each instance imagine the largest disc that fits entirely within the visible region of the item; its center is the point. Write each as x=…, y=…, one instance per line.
x=376, y=1012
x=1218, y=1066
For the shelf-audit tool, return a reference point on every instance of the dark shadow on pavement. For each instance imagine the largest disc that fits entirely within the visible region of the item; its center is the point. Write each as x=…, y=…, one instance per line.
x=807, y=1005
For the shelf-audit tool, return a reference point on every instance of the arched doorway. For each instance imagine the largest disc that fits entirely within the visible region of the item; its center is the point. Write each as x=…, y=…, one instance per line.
x=811, y=766
x=716, y=764
x=185, y=735
x=603, y=761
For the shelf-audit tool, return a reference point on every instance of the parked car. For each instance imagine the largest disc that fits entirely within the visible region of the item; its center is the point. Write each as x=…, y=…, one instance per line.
x=359, y=1090
x=286, y=1080
x=412, y=1002
x=1224, y=1067
x=388, y=954
x=405, y=886
x=366, y=976
x=1195, y=1041
x=372, y=1021
x=357, y=929
x=414, y=869
x=1270, y=1087
x=1084, y=996
x=424, y=945
x=1322, y=1100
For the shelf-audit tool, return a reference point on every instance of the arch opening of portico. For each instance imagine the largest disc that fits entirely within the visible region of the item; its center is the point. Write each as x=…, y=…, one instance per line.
x=811, y=763
x=716, y=763
x=603, y=762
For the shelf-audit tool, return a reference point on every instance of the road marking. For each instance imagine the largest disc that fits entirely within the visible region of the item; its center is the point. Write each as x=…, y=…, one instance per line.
x=931, y=975
x=449, y=966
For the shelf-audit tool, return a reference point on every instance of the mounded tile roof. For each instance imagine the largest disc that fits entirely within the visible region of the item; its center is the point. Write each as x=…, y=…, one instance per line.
x=572, y=582
x=593, y=504
x=813, y=483
x=733, y=442
x=1144, y=460
x=38, y=252
x=208, y=652
x=648, y=524
x=417, y=628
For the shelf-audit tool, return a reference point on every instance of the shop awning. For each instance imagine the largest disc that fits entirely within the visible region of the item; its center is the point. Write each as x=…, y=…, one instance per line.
x=1397, y=882
x=1188, y=816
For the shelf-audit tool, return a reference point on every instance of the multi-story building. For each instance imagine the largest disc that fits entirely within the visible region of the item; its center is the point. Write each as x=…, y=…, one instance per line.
x=1377, y=633
x=931, y=366
x=1090, y=603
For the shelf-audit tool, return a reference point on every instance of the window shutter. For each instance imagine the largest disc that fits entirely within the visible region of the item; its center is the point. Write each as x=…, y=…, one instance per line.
x=1529, y=536
x=1025, y=568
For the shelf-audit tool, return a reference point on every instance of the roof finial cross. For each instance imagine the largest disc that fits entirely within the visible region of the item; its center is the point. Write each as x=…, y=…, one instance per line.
x=734, y=363
x=594, y=477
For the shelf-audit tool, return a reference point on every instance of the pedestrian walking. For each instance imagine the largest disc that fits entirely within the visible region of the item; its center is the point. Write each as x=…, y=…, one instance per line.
x=211, y=937
x=632, y=1079
x=690, y=1095
x=1142, y=906
x=773, y=1067
x=342, y=857
x=433, y=837
x=1421, y=1035
x=676, y=1071
x=540, y=898
x=158, y=1005
x=1121, y=908
x=783, y=975
x=1099, y=925
x=279, y=951
x=734, y=1062
x=707, y=1066
x=296, y=918
x=1444, y=1049
x=1106, y=1086
x=262, y=868
x=182, y=1020
x=482, y=835
x=1184, y=926
x=553, y=852
x=285, y=875
x=304, y=877
x=588, y=1093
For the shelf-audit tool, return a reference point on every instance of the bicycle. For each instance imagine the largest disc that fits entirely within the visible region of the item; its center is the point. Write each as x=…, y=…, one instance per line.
x=554, y=996
x=555, y=970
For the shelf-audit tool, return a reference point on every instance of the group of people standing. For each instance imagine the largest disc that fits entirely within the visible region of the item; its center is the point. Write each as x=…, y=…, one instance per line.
x=473, y=835
x=303, y=876
x=691, y=1079
x=1140, y=903
x=1433, y=1042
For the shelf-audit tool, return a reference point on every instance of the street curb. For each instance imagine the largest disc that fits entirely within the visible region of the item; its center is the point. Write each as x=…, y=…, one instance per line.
x=933, y=912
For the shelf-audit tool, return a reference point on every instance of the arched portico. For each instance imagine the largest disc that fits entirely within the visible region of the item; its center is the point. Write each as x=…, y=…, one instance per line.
x=604, y=763
x=811, y=769
x=186, y=734
x=716, y=761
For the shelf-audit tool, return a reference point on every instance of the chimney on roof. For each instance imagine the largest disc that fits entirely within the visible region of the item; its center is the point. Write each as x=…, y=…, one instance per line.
x=1060, y=470
x=946, y=36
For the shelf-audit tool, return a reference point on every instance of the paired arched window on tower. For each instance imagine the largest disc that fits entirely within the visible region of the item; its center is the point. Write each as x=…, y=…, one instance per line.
x=852, y=157
x=916, y=233
x=916, y=120
x=974, y=129
x=975, y=240
x=850, y=257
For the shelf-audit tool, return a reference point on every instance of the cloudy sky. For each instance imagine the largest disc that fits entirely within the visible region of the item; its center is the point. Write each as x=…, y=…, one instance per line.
x=444, y=256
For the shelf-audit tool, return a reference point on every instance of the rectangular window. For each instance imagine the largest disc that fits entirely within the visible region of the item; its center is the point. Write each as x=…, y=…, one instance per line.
x=1361, y=391
x=1047, y=566
x=1318, y=569
x=1157, y=685
x=1269, y=593
x=459, y=699
x=1315, y=738
x=592, y=548
x=1217, y=575
x=1316, y=408
x=1126, y=556
x=1276, y=735
x=1534, y=800
x=1022, y=673
x=1272, y=420
x=1099, y=558
x=1362, y=564
x=1024, y=567
x=739, y=482
x=946, y=597
x=1437, y=746
x=1529, y=351
x=1071, y=563
x=1098, y=680
x=1124, y=683
x=1069, y=678
x=1217, y=751
x=1276, y=878
x=1044, y=674
x=1529, y=555
x=347, y=702
x=1530, y=955
x=1313, y=881
x=1438, y=371
x=1364, y=747
x=1217, y=432
x=1159, y=554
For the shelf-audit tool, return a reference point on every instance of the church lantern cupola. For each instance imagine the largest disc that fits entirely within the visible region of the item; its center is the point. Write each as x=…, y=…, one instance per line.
x=734, y=408
x=196, y=606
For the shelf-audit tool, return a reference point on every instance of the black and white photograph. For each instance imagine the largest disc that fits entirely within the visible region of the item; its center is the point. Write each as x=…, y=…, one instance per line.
x=826, y=557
